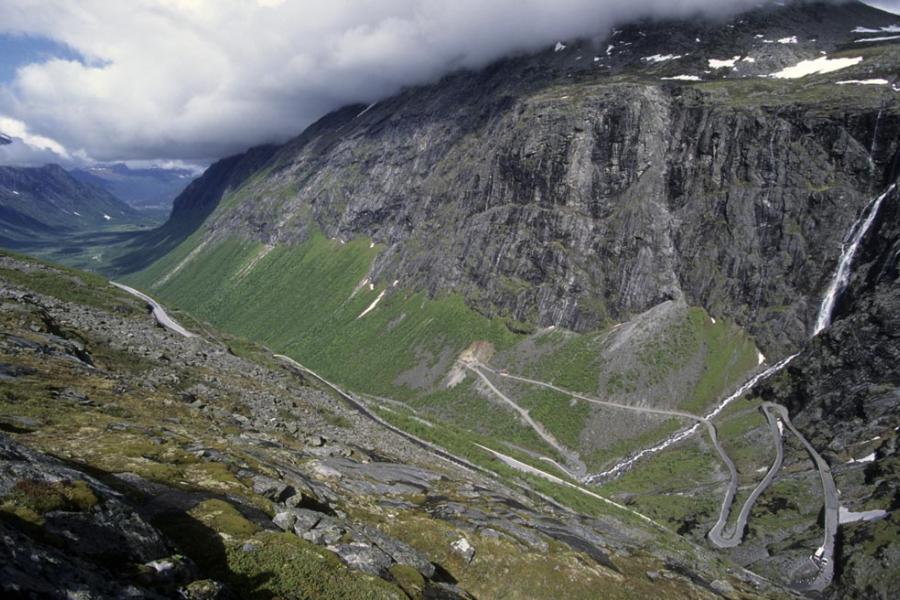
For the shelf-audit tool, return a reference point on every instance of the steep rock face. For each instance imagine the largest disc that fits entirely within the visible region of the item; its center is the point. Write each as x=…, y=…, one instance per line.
x=191, y=208
x=848, y=378
x=844, y=390
x=582, y=203
x=577, y=186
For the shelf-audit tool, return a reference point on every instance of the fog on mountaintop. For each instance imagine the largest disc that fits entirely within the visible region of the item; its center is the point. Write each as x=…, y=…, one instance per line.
x=198, y=79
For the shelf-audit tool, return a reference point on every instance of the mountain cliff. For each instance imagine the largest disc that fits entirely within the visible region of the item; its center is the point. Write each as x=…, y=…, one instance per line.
x=580, y=186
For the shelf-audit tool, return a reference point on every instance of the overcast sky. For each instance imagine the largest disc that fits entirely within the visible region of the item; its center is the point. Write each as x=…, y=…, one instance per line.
x=195, y=80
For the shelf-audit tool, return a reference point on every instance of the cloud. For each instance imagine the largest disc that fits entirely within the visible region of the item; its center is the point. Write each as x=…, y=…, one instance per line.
x=197, y=79
x=30, y=149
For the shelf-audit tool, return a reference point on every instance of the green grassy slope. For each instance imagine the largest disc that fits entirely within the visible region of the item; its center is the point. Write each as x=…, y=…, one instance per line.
x=300, y=300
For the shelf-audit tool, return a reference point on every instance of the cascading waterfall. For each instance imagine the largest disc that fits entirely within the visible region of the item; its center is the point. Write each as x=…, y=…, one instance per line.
x=838, y=282
x=842, y=275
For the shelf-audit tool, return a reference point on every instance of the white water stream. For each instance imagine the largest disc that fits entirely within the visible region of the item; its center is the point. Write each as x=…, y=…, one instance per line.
x=686, y=433
x=842, y=274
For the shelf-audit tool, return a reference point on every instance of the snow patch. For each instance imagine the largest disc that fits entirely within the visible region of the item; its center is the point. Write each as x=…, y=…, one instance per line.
x=371, y=244
x=366, y=109
x=658, y=58
x=396, y=281
x=864, y=82
x=372, y=306
x=359, y=286
x=848, y=516
x=559, y=47
x=683, y=78
x=760, y=357
x=107, y=217
x=817, y=65
x=371, y=287
x=885, y=38
x=888, y=29
x=15, y=192
x=712, y=320
x=748, y=59
x=609, y=49
x=715, y=63
x=865, y=459
x=788, y=40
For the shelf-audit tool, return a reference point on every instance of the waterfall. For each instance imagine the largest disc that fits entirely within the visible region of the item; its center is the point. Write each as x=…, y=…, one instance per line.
x=842, y=275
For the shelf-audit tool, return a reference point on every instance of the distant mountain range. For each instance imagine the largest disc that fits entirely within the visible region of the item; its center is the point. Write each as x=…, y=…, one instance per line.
x=140, y=188
x=47, y=202
x=151, y=188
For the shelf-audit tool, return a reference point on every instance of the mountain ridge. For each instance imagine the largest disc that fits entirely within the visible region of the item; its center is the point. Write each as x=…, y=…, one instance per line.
x=375, y=210
x=146, y=188
x=51, y=196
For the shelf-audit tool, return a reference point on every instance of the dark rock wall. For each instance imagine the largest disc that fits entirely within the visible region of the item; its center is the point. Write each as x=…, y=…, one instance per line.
x=574, y=204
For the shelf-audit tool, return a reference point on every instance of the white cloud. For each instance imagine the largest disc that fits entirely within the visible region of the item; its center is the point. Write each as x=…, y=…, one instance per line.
x=19, y=132
x=197, y=79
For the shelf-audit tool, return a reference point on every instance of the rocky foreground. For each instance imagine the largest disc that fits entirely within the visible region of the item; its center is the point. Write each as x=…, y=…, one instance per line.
x=137, y=463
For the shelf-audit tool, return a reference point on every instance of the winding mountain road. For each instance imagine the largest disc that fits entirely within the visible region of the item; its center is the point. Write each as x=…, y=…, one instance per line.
x=829, y=490
x=576, y=469
x=717, y=535
x=159, y=313
x=730, y=490
x=364, y=410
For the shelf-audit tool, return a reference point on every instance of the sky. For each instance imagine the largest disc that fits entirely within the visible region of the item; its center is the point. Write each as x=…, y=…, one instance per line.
x=189, y=81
